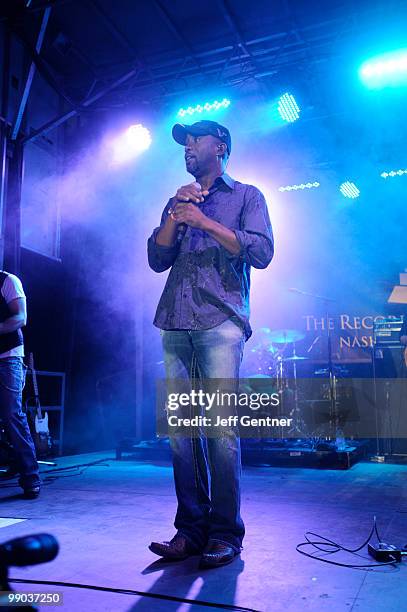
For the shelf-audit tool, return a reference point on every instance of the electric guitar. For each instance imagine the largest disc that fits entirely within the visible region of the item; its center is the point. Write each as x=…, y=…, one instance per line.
x=41, y=435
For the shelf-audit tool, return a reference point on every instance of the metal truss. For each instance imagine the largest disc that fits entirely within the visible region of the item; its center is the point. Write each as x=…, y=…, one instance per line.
x=161, y=78
x=233, y=64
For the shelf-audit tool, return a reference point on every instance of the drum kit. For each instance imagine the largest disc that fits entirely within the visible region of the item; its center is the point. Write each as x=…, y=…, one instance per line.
x=275, y=359
x=275, y=356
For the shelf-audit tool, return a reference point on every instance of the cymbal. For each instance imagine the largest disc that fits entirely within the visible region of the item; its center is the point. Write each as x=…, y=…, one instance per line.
x=258, y=376
x=262, y=340
x=295, y=358
x=260, y=348
x=285, y=336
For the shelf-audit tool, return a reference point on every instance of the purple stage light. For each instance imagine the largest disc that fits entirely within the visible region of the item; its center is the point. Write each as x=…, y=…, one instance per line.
x=131, y=143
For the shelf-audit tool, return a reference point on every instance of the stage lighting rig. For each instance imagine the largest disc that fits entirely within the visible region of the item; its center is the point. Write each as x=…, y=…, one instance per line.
x=131, y=143
x=208, y=107
x=300, y=186
x=288, y=108
x=393, y=173
x=349, y=190
x=389, y=69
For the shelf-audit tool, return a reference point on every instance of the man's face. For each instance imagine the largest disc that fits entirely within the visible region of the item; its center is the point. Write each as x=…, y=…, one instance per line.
x=200, y=153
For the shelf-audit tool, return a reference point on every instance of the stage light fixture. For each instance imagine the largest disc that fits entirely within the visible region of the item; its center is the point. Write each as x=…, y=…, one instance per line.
x=288, y=108
x=133, y=141
x=300, y=186
x=389, y=69
x=393, y=173
x=349, y=190
x=138, y=137
x=208, y=107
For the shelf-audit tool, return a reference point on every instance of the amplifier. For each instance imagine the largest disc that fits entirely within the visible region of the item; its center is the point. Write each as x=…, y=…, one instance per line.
x=386, y=332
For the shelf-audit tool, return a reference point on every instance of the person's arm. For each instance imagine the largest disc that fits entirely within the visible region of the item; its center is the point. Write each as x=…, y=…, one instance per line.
x=225, y=237
x=167, y=234
x=256, y=235
x=254, y=242
x=162, y=246
x=17, y=318
x=188, y=213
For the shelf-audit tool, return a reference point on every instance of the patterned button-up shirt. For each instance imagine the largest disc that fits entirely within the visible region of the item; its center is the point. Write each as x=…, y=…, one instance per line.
x=207, y=284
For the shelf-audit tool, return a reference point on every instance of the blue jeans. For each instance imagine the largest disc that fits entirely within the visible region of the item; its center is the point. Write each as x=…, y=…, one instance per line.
x=12, y=379
x=207, y=470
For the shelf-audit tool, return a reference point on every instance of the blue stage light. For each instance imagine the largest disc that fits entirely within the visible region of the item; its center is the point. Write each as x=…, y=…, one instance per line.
x=349, y=190
x=300, y=186
x=392, y=173
x=389, y=69
x=208, y=107
x=288, y=108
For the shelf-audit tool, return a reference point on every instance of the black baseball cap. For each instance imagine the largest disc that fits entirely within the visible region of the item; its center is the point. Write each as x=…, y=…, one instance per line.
x=202, y=128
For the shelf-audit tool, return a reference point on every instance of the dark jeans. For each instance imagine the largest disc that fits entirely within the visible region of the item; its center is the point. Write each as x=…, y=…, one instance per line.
x=207, y=470
x=12, y=379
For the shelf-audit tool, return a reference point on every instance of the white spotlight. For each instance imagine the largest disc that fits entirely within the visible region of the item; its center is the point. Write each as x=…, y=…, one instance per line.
x=133, y=141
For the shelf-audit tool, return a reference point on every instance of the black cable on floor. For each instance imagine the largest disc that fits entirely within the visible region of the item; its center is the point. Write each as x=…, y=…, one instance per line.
x=92, y=587
x=54, y=472
x=76, y=466
x=330, y=547
x=53, y=477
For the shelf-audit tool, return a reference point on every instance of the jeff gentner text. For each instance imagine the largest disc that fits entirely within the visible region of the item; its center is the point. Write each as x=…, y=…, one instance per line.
x=230, y=421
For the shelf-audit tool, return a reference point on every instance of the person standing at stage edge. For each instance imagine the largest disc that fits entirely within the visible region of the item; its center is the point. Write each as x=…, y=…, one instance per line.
x=212, y=231
x=13, y=316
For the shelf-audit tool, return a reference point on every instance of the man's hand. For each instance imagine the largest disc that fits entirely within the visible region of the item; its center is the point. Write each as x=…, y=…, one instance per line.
x=191, y=193
x=188, y=193
x=185, y=212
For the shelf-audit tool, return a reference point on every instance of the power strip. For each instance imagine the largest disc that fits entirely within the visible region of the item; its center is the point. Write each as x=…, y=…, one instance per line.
x=385, y=552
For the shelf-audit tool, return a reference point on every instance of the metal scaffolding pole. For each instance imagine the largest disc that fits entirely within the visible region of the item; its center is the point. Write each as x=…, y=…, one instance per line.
x=50, y=125
x=31, y=72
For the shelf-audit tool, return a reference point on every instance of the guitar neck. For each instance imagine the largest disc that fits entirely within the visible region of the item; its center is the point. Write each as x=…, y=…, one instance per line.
x=35, y=386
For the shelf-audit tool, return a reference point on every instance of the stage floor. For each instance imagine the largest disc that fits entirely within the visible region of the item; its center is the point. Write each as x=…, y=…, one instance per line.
x=105, y=516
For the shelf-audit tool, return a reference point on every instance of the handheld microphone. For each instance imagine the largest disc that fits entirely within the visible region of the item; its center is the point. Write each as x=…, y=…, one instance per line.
x=182, y=227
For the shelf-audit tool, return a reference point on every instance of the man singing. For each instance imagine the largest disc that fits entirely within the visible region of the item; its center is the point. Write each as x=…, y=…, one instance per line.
x=212, y=231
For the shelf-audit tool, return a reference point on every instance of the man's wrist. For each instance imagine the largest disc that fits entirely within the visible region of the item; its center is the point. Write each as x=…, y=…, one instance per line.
x=207, y=224
x=171, y=221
